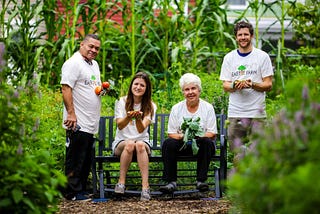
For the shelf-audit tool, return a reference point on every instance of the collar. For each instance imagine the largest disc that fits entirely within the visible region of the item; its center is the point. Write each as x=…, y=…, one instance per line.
x=243, y=54
x=87, y=61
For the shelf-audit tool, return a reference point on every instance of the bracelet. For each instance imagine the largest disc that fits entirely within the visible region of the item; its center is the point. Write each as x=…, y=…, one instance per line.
x=232, y=85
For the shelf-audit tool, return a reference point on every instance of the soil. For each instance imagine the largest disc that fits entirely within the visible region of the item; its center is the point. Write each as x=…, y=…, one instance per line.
x=155, y=205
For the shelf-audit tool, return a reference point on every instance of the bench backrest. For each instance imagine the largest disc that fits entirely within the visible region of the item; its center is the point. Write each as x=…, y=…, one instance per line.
x=157, y=131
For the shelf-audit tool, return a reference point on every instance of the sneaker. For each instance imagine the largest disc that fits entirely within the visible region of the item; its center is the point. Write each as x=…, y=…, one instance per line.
x=202, y=187
x=87, y=194
x=119, y=188
x=169, y=188
x=145, y=195
x=80, y=197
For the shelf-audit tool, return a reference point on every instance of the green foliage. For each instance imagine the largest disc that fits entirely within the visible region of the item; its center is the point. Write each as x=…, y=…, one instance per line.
x=29, y=184
x=191, y=129
x=212, y=92
x=48, y=110
x=306, y=18
x=279, y=174
x=23, y=39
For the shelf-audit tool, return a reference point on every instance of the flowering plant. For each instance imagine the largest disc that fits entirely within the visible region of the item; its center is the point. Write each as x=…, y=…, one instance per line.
x=191, y=129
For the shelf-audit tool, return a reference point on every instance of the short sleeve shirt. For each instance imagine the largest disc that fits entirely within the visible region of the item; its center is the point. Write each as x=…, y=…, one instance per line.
x=205, y=112
x=83, y=79
x=246, y=103
x=130, y=131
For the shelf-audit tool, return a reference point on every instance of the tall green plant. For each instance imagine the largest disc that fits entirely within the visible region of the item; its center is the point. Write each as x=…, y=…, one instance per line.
x=209, y=33
x=5, y=10
x=107, y=30
x=23, y=39
x=71, y=24
x=133, y=35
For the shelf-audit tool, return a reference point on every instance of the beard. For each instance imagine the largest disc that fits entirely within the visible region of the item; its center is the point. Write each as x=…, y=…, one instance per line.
x=244, y=44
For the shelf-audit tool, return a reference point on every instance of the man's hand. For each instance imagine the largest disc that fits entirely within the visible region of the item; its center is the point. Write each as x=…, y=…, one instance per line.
x=70, y=122
x=242, y=84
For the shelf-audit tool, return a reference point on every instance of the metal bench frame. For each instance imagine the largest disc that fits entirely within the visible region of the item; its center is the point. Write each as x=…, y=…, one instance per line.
x=158, y=135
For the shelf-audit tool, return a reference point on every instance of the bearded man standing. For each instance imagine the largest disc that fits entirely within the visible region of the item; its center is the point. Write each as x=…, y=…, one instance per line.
x=246, y=74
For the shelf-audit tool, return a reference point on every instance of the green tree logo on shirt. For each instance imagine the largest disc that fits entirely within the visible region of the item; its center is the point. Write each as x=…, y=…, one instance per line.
x=242, y=68
x=93, y=77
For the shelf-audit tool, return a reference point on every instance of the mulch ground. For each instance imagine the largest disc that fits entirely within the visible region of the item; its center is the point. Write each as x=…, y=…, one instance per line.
x=155, y=205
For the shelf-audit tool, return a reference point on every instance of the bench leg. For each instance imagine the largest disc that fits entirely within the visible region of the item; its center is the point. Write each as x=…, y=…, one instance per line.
x=94, y=179
x=217, y=183
x=101, y=185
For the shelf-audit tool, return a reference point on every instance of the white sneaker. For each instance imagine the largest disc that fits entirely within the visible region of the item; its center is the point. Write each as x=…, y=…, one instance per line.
x=145, y=195
x=119, y=188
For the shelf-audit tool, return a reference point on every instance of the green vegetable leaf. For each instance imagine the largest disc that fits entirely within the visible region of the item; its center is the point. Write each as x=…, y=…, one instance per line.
x=191, y=128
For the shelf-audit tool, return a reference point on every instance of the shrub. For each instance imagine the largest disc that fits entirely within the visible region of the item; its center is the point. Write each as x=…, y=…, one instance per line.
x=280, y=173
x=29, y=184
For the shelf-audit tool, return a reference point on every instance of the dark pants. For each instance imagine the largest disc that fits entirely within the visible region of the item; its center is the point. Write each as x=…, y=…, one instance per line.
x=78, y=161
x=171, y=150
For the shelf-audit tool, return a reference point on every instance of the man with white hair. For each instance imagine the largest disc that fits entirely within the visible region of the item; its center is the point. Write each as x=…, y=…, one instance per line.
x=191, y=107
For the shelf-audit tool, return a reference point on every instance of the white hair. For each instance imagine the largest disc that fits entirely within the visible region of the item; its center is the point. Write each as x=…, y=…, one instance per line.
x=188, y=78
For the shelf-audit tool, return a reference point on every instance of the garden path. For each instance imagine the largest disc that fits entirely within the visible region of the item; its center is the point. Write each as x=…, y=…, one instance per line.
x=154, y=206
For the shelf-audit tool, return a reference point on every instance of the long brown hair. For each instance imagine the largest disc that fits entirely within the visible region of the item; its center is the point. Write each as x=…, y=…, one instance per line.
x=146, y=103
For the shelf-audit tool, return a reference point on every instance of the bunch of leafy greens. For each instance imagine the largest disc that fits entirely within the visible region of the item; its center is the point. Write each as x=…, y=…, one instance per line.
x=191, y=129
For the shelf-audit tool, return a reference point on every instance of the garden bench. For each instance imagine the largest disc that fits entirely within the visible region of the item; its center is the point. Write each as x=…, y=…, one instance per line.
x=105, y=176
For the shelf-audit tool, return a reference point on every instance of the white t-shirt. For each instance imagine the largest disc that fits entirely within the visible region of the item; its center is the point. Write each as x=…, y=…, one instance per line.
x=83, y=79
x=205, y=112
x=130, y=131
x=246, y=103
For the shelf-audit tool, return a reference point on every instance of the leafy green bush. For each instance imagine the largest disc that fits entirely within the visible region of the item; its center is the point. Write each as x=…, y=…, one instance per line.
x=305, y=17
x=50, y=135
x=280, y=173
x=29, y=184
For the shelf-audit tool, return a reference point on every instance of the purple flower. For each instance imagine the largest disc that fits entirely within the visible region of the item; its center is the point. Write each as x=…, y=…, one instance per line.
x=245, y=122
x=35, y=87
x=35, y=75
x=16, y=94
x=299, y=116
x=237, y=143
x=231, y=172
x=316, y=107
x=305, y=93
x=20, y=149
x=253, y=145
x=36, y=125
